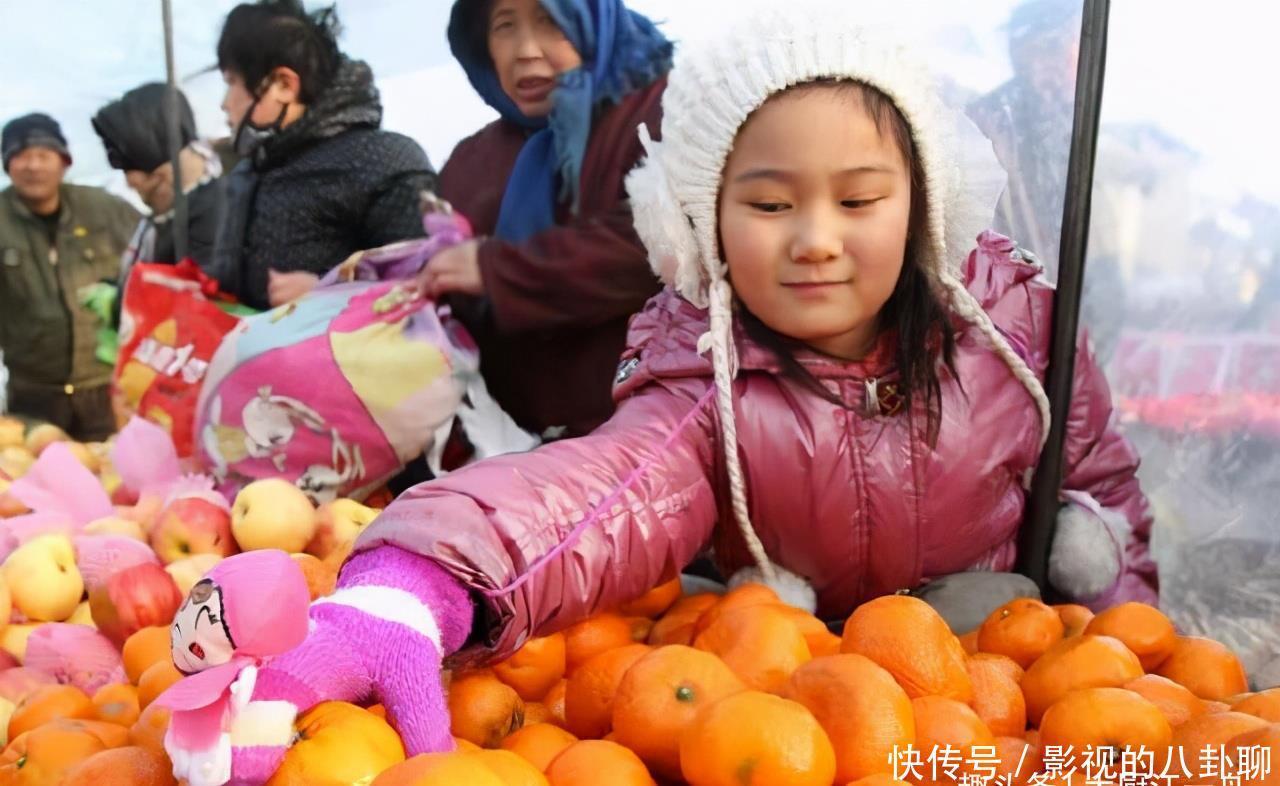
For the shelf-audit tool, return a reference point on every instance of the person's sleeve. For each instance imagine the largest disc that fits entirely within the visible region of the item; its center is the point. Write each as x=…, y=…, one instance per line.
x=587, y=272
x=1100, y=481
x=394, y=211
x=489, y=523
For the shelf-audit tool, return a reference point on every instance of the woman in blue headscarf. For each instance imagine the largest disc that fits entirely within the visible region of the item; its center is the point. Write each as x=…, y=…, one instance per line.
x=548, y=290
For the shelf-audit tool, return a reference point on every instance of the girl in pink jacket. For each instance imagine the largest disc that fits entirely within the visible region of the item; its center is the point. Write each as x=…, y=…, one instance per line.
x=837, y=392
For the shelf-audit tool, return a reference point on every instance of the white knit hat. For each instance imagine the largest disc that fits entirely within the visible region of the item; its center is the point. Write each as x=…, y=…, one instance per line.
x=713, y=89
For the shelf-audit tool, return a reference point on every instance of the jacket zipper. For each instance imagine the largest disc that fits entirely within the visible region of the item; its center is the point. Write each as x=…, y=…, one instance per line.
x=860, y=516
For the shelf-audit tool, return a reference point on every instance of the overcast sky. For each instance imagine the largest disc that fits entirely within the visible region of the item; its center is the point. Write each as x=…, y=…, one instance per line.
x=1199, y=72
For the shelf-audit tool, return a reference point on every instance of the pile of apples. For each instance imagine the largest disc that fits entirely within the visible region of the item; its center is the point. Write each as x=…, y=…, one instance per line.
x=71, y=597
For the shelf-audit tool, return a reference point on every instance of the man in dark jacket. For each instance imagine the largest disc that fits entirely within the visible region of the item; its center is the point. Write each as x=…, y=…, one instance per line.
x=320, y=180
x=56, y=242
x=135, y=133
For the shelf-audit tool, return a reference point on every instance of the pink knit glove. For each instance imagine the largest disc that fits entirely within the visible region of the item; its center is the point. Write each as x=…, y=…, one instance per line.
x=380, y=637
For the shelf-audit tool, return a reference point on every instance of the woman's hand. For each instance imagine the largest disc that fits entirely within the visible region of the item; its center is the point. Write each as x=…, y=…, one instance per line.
x=455, y=269
x=285, y=288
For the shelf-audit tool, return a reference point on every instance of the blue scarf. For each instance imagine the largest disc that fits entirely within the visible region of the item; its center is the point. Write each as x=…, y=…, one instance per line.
x=621, y=52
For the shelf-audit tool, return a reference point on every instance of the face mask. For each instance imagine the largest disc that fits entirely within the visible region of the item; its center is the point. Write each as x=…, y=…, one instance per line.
x=249, y=137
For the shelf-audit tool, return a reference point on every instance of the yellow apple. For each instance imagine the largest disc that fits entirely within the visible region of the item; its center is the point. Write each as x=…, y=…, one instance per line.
x=85, y=456
x=13, y=433
x=43, y=578
x=273, y=514
x=6, y=711
x=6, y=604
x=186, y=572
x=116, y=525
x=44, y=435
x=15, y=461
x=14, y=638
x=82, y=615
x=111, y=480
x=337, y=523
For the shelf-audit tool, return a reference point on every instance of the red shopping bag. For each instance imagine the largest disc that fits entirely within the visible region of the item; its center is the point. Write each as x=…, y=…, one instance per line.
x=172, y=320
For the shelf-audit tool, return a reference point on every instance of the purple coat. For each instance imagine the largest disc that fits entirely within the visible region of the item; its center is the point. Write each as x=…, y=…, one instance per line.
x=849, y=501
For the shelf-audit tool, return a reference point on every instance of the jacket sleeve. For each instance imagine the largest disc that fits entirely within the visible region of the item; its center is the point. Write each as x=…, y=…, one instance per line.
x=1100, y=483
x=1100, y=479
x=488, y=523
x=206, y=204
x=125, y=221
x=393, y=211
x=586, y=272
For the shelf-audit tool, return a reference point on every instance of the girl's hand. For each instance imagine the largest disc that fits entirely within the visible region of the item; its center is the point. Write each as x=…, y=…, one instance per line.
x=1088, y=551
x=455, y=269
x=285, y=288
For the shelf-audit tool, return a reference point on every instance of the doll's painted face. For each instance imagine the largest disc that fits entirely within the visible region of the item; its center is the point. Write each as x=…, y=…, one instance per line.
x=200, y=638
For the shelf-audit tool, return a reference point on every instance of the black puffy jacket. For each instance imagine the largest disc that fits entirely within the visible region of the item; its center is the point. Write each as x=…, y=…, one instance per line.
x=328, y=185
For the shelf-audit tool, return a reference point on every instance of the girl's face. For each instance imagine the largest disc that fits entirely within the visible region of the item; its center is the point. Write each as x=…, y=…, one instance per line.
x=813, y=219
x=529, y=51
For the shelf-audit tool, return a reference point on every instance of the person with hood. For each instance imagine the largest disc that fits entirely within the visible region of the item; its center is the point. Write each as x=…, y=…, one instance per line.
x=548, y=289
x=58, y=243
x=840, y=390
x=135, y=132
x=319, y=179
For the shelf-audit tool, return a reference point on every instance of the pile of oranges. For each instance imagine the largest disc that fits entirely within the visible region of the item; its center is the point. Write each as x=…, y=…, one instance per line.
x=60, y=736
x=742, y=690
x=732, y=690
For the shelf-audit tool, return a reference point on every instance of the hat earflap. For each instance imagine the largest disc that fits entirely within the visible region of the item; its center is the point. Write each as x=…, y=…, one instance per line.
x=663, y=226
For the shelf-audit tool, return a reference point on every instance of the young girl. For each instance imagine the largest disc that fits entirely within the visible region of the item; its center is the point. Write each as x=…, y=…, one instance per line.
x=835, y=393
x=548, y=292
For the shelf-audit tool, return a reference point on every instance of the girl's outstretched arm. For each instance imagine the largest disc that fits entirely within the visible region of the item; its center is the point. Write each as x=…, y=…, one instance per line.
x=546, y=538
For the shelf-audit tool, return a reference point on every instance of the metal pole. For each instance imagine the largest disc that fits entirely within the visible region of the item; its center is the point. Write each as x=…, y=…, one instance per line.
x=180, y=222
x=1042, y=509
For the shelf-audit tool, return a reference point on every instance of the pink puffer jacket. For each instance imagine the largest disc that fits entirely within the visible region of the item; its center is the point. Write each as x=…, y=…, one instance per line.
x=845, y=499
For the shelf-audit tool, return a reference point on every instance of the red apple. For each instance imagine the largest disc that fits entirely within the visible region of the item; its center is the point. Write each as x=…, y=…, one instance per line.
x=133, y=599
x=191, y=526
x=122, y=495
x=7, y=661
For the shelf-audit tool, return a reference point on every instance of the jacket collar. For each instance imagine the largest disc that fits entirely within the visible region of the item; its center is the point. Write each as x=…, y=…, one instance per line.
x=20, y=208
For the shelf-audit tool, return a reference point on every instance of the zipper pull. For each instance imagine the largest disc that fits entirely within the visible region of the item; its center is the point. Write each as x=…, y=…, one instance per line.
x=871, y=405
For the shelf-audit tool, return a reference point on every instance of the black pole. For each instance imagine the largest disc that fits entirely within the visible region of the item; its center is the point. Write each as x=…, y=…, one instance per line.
x=1042, y=509
x=180, y=223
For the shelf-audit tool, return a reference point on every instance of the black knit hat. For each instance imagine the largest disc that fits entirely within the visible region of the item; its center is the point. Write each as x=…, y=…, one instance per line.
x=33, y=130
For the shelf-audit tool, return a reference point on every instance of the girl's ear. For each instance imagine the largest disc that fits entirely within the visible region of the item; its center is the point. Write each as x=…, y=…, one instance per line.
x=284, y=85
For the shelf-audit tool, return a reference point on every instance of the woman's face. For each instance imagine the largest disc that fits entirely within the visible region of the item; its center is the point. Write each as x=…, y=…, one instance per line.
x=529, y=50
x=813, y=219
x=280, y=92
